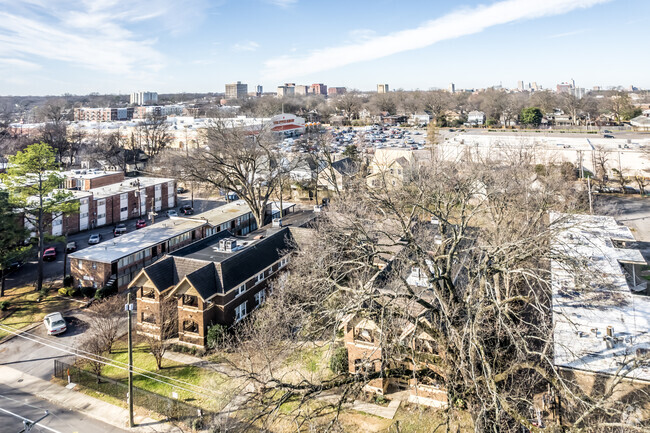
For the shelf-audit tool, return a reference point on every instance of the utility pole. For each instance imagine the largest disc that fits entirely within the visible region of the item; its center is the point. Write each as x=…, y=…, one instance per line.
x=128, y=307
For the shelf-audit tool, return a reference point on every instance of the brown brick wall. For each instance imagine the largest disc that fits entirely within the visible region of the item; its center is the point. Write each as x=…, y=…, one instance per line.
x=100, y=275
x=109, y=179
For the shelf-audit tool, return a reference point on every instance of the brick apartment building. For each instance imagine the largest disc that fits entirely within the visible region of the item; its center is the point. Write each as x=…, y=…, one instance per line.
x=84, y=180
x=218, y=280
x=118, y=260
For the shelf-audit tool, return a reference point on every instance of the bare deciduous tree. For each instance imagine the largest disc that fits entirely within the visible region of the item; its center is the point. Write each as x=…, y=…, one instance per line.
x=108, y=320
x=483, y=295
x=167, y=322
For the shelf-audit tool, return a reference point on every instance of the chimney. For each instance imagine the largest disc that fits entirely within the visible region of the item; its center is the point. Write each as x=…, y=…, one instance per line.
x=610, y=331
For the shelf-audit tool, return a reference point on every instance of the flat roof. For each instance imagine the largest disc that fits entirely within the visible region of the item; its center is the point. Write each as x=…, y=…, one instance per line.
x=602, y=294
x=88, y=174
x=225, y=213
x=114, y=249
x=129, y=184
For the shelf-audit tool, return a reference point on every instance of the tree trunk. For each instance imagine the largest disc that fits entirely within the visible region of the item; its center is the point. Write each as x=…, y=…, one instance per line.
x=2, y=287
x=41, y=239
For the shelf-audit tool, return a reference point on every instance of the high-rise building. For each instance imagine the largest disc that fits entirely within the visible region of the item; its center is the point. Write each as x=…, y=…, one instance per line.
x=336, y=90
x=236, y=90
x=319, y=89
x=302, y=90
x=144, y=98
x=520, y=85
x=289, y=89
x=382, y=88
x=259, y=90
x=452, y=88
x=535, y=87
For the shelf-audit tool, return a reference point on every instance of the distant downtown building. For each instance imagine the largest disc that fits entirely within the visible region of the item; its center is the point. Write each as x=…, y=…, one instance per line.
x=382, y=88
x=336, y=90
x=236, y=90
x=452, y=88
x=319, y=89
x=144, y=98
x=289, y=89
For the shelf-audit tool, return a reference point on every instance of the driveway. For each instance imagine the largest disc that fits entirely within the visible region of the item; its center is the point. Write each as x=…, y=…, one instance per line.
x=34, y=351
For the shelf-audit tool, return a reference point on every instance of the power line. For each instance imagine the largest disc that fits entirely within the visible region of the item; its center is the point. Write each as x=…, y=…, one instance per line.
x=99, y=359
x=77, y=351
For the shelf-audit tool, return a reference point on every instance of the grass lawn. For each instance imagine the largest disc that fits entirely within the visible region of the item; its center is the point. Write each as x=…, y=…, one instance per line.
x=23, y=309
x=210, y=380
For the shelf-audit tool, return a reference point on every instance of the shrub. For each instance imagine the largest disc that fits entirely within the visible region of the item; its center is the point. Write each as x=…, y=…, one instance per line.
x=105, y=292
x=216, y=334
x=339, y=360
x=43, y=292
x=4, y=305
x=68, y=281
x=197, y=424
x=63, y=291
x=73, y=291
x=88, y=292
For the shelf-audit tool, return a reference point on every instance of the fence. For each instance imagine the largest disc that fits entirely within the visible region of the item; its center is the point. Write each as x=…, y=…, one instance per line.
x=168, y=407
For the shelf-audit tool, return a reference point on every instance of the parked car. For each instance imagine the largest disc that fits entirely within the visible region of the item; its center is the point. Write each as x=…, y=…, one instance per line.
x=55, y=324
x=49, y=254
x=186, y=210
x=630, y=190
x=119, y=230
x=180, y=190
x=71, y=247
x=14, y=266
x=608, y=136
x=607, y=131
x=140, y=223
x=172, y=213
x=94, y=239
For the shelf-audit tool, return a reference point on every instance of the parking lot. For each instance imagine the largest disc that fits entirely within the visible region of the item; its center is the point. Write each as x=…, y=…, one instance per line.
x=26, y=274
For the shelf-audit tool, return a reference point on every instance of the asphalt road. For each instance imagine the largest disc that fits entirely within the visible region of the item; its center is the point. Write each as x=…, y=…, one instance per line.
x=16, y=405
x=51, y=270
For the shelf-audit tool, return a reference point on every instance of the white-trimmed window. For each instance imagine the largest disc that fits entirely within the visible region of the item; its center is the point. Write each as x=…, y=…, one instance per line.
x=260, y=297
x=80, y=264
x=240, y=311
x=94, y=266
x=240, y=290
x=260, y=277
x=57, y=222
x=284, y=261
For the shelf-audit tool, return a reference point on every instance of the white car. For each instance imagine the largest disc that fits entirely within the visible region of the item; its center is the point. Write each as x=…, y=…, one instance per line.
x=55, y=324
x=94, y=239
x=172, y=213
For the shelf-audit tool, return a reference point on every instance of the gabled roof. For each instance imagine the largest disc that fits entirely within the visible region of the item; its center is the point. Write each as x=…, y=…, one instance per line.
x=168, y=271
x=345, y=167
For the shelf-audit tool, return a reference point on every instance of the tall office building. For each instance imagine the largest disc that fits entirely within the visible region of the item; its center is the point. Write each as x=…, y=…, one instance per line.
x=520, y=85
x=144, y=98
x=236, y=90
x=452, y=88
x=382, y=88
x=289, y=89
x=259, y=90
x=319, y=89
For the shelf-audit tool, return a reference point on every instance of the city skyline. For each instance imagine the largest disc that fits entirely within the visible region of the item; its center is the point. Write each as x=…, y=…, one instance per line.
x=197, y=46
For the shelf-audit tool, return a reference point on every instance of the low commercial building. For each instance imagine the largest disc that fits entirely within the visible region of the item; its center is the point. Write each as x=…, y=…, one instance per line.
x=116, y=261
x=601, y=314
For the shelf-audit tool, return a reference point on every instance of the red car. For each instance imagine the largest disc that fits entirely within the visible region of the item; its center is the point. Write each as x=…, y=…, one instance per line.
x=140, y=223
x=49, y=254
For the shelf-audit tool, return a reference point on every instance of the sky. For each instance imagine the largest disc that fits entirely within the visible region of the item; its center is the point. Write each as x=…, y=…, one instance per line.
x=52, y=47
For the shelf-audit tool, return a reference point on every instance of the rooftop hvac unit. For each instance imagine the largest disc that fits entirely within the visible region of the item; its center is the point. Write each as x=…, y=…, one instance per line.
x=277, y=222
x=227, y=244
x=317, y=208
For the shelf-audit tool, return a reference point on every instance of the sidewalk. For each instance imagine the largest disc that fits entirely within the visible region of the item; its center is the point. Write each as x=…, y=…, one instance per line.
x=79, y=402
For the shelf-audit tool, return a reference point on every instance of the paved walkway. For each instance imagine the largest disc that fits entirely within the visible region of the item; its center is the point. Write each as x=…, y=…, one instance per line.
x=183, y=358
x=387, y=412
x=79, y=402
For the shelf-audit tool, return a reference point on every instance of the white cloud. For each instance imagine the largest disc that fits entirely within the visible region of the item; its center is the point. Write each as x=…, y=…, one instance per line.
x=246, y=46
x=105, y=36
x=456, y=24
x=282, y=3
x=16, y=64
x=563, y=35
